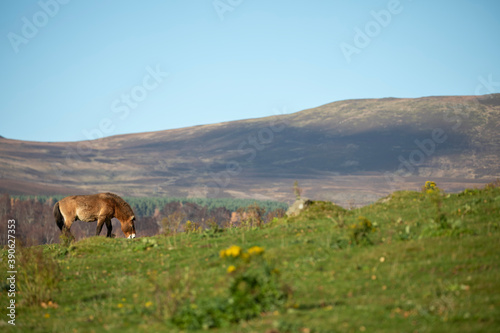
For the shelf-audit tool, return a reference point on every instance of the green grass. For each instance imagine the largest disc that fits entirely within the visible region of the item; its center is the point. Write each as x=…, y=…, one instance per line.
x=432, y=264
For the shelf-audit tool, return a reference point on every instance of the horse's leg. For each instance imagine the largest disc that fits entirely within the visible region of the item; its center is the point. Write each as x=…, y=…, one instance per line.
x=66, y=229
x=100, y=223
x=109, y=226
x=64, y=219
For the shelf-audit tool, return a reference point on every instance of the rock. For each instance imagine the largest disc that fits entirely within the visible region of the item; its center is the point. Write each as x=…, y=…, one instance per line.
x=298, y=206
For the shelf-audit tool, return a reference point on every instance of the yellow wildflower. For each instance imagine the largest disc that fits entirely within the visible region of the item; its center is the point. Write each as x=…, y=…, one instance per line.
x=120, y=305
x=255, y=250
x=233, y=251
x=231, y=269
x=429, y=186
x=148, y=304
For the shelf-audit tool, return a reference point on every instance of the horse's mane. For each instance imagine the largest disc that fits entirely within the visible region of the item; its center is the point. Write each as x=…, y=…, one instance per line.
x=124, y=206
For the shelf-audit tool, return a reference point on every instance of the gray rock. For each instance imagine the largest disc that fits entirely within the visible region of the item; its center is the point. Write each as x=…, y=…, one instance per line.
x=298, y=206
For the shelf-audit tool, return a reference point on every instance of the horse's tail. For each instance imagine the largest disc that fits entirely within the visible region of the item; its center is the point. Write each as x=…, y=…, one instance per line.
x=58, y=216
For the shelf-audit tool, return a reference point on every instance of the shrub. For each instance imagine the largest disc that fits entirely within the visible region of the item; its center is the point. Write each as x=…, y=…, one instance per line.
x=445, y=228
x=213, y=231
x=297, y=190
x=172, y=222
x=254, y=288
x=360, y=231
x=192, y=227
x=430, y=185
x=252, y=216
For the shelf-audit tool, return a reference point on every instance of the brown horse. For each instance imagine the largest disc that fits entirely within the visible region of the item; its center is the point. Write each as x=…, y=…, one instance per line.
x=100, y=207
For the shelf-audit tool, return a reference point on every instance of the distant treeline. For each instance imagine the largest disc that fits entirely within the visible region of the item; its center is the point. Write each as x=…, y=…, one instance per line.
x=146, y=206
x=35, y=221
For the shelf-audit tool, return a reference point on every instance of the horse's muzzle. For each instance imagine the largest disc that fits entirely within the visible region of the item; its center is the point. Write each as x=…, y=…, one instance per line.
x=131, y=236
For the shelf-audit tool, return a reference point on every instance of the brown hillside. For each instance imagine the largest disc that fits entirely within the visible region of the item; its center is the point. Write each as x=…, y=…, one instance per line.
x=350, y=151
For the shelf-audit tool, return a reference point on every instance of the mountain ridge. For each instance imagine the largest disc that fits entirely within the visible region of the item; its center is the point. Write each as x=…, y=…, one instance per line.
x=363, y=140
x=441, y=97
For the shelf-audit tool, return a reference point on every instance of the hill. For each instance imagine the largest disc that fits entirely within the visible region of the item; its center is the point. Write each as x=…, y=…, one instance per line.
x=350, y=152
x=413, y=261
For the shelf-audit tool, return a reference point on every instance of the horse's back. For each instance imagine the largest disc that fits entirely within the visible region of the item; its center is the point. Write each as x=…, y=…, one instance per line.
x=86, y=207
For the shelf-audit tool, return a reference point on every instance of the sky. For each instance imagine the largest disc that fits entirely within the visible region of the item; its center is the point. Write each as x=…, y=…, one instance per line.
x=80, y=70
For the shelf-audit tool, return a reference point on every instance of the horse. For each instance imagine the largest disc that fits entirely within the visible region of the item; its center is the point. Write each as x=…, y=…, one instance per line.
x=101, y=207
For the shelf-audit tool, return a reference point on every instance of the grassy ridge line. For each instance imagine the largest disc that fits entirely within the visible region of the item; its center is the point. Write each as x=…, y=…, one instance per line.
x=420, y=274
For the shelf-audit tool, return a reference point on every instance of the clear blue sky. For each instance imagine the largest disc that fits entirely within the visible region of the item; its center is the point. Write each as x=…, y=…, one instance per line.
x=68, y=69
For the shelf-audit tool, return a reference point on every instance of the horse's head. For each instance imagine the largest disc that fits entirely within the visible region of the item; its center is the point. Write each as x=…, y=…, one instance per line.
x=128, y=227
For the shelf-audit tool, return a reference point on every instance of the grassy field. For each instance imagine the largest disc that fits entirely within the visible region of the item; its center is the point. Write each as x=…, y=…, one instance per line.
x=412, y=262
